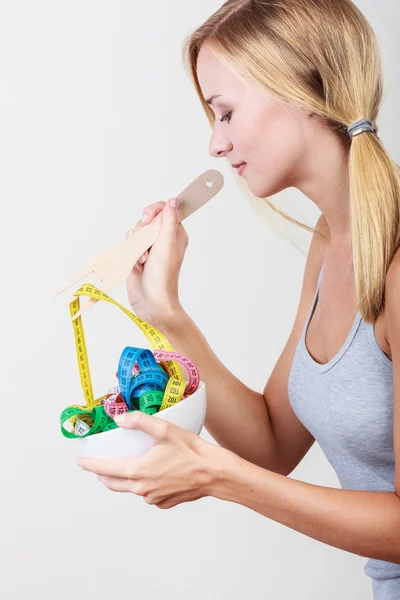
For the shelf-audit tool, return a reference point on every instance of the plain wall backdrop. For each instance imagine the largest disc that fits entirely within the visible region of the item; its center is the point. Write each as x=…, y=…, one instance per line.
x=98, y=119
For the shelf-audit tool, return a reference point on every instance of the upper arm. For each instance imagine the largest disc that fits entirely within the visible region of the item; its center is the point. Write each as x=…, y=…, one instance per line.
x=392, y=310
x=292, y=439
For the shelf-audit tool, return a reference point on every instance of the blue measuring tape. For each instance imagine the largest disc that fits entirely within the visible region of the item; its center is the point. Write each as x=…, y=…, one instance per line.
x=144, y=391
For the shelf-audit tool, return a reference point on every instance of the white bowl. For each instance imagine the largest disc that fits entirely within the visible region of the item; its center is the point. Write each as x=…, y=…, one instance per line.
x=188, y=414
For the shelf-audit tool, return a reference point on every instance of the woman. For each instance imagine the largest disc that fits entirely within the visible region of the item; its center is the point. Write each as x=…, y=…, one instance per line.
x=292, y=88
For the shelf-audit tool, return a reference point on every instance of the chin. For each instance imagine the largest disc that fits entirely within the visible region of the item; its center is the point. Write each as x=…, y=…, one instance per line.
x=266, y=189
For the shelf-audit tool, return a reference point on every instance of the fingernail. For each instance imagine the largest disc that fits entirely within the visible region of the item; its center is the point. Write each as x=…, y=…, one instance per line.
x=145, y=218
x=142, y=258
x=174, y=203
x=120, y=418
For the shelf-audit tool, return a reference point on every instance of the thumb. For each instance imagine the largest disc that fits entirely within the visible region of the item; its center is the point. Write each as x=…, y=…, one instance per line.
x=170, y=218
x=142, y=421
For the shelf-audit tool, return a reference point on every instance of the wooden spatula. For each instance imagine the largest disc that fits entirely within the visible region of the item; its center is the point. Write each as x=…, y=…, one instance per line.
x=114, y=264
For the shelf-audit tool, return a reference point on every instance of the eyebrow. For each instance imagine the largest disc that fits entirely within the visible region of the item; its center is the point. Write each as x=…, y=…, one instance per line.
x=211, y=98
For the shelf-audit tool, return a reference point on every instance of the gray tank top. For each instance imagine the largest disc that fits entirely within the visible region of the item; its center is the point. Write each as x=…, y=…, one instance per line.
x=347, y=405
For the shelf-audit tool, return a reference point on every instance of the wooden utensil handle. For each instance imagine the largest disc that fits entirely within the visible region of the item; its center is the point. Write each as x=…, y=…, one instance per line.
x=200, y=191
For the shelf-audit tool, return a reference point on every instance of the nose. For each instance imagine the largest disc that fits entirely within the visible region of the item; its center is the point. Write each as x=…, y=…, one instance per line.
x=219, y=145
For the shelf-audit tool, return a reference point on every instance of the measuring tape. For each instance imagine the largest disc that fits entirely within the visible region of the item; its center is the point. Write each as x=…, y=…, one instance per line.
x=144, y=384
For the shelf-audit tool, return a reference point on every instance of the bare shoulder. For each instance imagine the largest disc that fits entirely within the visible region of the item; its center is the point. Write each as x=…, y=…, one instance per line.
x=391, y=319
x=392, y=283
x=394, y=265
x=392, y=280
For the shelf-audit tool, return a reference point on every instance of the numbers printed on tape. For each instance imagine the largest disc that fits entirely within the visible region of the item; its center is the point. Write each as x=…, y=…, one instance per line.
x=158, y=388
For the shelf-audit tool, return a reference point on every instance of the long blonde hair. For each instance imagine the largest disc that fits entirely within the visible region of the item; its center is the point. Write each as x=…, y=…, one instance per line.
x=323, y=56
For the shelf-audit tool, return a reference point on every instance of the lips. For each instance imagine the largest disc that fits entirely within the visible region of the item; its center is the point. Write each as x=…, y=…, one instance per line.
x=241, y=168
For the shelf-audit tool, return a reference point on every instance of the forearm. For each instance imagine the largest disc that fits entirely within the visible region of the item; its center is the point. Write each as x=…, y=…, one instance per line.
x=362, y=522
x=237, y=416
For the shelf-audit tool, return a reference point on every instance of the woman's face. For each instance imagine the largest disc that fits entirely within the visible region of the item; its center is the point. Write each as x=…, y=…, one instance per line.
x=255, y=128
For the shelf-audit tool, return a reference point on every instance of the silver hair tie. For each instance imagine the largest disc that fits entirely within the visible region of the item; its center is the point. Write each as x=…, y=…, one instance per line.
x=359, y=127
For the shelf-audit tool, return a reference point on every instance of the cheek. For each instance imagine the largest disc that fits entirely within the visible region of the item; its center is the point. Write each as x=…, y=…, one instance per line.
x=278, y=133
x=273, y=160
x=275, y=138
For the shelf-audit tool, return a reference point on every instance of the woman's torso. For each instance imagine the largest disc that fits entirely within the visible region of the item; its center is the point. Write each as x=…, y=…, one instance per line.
x=336, y=310
x=341, y=388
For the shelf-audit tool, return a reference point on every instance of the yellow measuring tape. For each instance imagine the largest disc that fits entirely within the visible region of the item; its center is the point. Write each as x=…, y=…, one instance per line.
x=176, y=385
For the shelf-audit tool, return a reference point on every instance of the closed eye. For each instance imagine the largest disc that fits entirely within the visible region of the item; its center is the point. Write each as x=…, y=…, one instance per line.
x=228, y=115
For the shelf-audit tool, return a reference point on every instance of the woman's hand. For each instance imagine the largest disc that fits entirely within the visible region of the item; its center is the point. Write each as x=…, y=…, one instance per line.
x=180, y=467
x=153, y=283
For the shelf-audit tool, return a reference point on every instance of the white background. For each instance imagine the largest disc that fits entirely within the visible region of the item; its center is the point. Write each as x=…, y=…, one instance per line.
x=98, y=119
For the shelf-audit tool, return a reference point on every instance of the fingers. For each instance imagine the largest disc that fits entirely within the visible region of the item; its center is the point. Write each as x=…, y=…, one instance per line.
x=144, y=256
x=116, y=484
x=149, y=213
x=125, y=468
x=138, y=265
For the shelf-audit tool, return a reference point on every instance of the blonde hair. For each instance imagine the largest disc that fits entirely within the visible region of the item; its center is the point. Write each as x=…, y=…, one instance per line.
x=323, y=56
